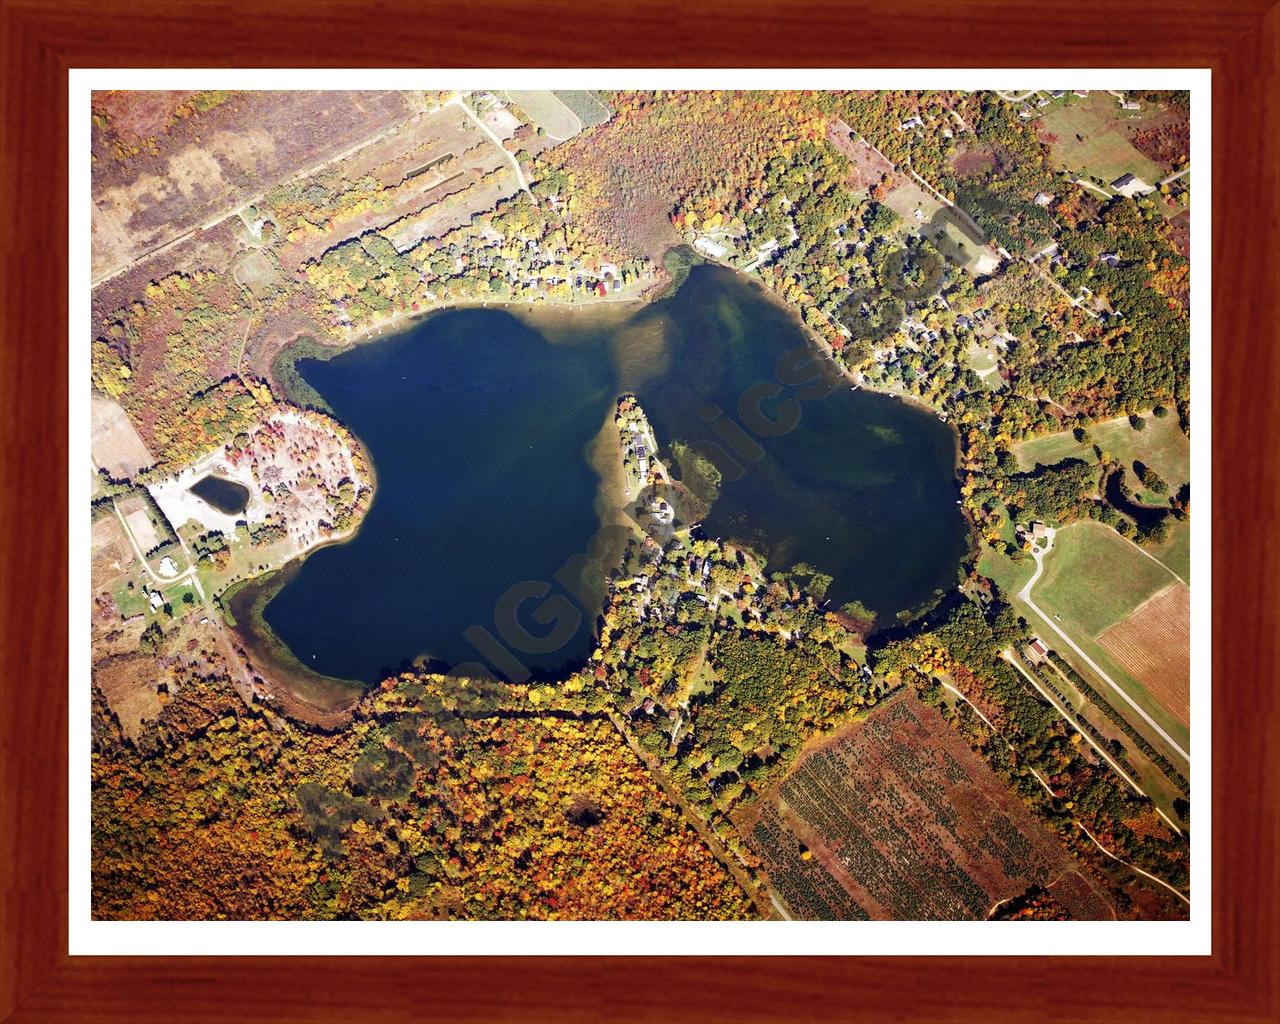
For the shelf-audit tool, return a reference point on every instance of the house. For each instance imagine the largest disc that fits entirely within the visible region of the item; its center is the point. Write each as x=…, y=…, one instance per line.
x=1048, y=250
x=1109, y=258
x=1130, y=105
x=707, y=247
x=1038, y=530
x=911, y=122
x=1057, y=94
x=1082, y=93
x=1043, y=199
x=1128, y=185
x=167, y=567
x=156, y=600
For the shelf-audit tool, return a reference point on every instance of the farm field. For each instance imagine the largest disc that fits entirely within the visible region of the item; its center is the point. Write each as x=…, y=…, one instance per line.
x=201, y=165
x=587, y=107
x=548, y=112
x=898, y=818
x=1093, y=579
x=1102, y=149
x=1153, y=646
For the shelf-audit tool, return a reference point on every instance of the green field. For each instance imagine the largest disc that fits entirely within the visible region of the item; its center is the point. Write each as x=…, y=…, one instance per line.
x=129, y=602
x=1094, y=578
x=174, y=598
x=1103, y=150
x=1161, y=445
x=1176, y=551
x=548, y=111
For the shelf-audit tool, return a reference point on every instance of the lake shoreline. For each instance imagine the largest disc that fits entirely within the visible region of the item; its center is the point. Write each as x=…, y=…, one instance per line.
x=608, y=507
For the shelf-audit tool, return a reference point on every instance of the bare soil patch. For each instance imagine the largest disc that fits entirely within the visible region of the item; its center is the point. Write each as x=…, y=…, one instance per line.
x=129, y=684
x=869, y=167
x=972, y=163
x=116, y=446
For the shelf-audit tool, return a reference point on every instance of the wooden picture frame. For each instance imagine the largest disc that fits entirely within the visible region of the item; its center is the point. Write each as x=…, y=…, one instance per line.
x=41, y=39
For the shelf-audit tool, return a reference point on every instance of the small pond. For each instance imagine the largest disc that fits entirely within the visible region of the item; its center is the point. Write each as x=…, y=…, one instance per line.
x=225, y=495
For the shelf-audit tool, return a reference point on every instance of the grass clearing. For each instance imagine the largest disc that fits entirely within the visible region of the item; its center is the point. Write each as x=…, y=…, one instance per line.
x=1094, y=578
x=1092, y=139
x=115, y=443
x=129, y=601
x=548, y=111
x=1161, y=444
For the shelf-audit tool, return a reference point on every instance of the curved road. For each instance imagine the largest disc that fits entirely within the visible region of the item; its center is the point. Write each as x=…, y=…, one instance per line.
x=457, y=101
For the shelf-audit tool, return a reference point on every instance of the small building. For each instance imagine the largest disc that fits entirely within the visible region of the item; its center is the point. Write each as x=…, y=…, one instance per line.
x=911, y=122
x=1082, y=93
x=1043, y=199
x=1037, y=650
x=1130, y=105
x=155, y=600
x=707, y=247
x=1131, y=186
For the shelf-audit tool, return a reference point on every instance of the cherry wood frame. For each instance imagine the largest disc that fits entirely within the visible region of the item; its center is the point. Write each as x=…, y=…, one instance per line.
x=41, y=39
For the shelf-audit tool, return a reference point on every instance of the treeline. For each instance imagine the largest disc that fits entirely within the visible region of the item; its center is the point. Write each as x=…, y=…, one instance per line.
x=1138, y=740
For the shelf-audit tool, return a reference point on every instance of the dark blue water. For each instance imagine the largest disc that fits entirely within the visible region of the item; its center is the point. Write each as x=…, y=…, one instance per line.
x=480, y=428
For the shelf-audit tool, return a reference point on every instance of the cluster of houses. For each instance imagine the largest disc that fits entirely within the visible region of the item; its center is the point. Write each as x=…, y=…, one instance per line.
x=655, y=592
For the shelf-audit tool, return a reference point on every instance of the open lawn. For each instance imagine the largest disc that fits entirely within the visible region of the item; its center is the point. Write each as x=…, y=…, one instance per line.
x=548, y=112
x=1161, y=444
x=115, y=444
x=1094, y=578
x=1093, y=140
x=921, y=211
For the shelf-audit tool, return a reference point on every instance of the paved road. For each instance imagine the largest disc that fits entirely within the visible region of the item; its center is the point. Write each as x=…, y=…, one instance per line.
x=1009, y=657
x=1025, y=595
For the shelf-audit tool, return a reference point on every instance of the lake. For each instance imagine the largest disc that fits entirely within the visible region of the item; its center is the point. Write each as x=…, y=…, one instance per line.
x=491, y=435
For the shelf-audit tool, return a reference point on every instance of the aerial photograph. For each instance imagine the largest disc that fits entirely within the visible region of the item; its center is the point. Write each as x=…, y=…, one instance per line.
x=625, y=505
